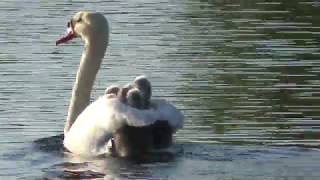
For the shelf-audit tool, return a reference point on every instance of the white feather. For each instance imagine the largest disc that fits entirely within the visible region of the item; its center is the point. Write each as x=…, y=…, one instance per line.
x=94, y=126
x=168, y=112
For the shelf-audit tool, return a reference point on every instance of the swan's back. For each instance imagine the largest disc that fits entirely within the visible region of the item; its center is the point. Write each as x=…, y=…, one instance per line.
x=134, y=130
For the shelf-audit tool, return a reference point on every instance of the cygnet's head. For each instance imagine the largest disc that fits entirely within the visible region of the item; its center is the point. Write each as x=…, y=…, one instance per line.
x=113, y=89
x=122, y=94
x=134, y=98
x=86, y=25
x=144, y=85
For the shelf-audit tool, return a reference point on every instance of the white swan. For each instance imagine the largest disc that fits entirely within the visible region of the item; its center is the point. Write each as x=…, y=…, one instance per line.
x=88, y=126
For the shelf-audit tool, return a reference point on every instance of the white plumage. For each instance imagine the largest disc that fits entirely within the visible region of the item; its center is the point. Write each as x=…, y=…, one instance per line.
x=89, y=127
x=95, y=125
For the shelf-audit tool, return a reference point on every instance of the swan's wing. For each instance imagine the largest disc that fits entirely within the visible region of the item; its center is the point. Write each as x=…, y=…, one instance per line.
x=168, y=112
x=94, y=126
x=86, y=136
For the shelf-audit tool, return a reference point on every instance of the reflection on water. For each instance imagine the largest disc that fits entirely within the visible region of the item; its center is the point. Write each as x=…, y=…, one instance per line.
x=245, y=73
x=256, y=76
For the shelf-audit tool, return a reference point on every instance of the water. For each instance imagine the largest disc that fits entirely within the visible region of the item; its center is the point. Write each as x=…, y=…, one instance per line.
x=245, y=74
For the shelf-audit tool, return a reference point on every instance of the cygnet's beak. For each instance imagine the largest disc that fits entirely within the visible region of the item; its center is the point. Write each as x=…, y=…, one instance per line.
x=67, y=36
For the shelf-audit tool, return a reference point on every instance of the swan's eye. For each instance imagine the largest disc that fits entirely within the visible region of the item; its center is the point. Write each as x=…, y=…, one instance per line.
x=79, y=20
x=70, y=24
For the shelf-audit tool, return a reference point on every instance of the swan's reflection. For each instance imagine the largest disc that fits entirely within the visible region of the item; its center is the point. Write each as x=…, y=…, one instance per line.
x=104, y=166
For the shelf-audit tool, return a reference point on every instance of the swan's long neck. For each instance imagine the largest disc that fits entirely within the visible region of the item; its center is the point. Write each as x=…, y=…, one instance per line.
x=89, y=65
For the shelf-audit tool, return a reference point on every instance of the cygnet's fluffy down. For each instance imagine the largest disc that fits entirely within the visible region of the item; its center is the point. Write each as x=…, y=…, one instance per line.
x=112, y=91
x=144, y=86
x=134, y=98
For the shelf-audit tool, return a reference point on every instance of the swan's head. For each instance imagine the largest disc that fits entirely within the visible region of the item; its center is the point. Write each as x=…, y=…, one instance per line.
x=86, y=25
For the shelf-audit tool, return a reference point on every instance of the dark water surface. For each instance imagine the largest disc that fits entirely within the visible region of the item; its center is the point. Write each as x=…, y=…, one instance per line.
x=245, y=73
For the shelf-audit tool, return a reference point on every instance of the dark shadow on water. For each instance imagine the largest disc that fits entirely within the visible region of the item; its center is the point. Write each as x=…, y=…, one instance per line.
x=52, y=144
x=75, y=167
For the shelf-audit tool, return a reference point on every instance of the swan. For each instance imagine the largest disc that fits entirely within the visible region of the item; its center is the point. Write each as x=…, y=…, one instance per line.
x=89, y=127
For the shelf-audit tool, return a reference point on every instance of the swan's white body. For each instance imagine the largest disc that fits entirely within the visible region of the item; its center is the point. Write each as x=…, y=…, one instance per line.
x=96, y=124
x=89, y=127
